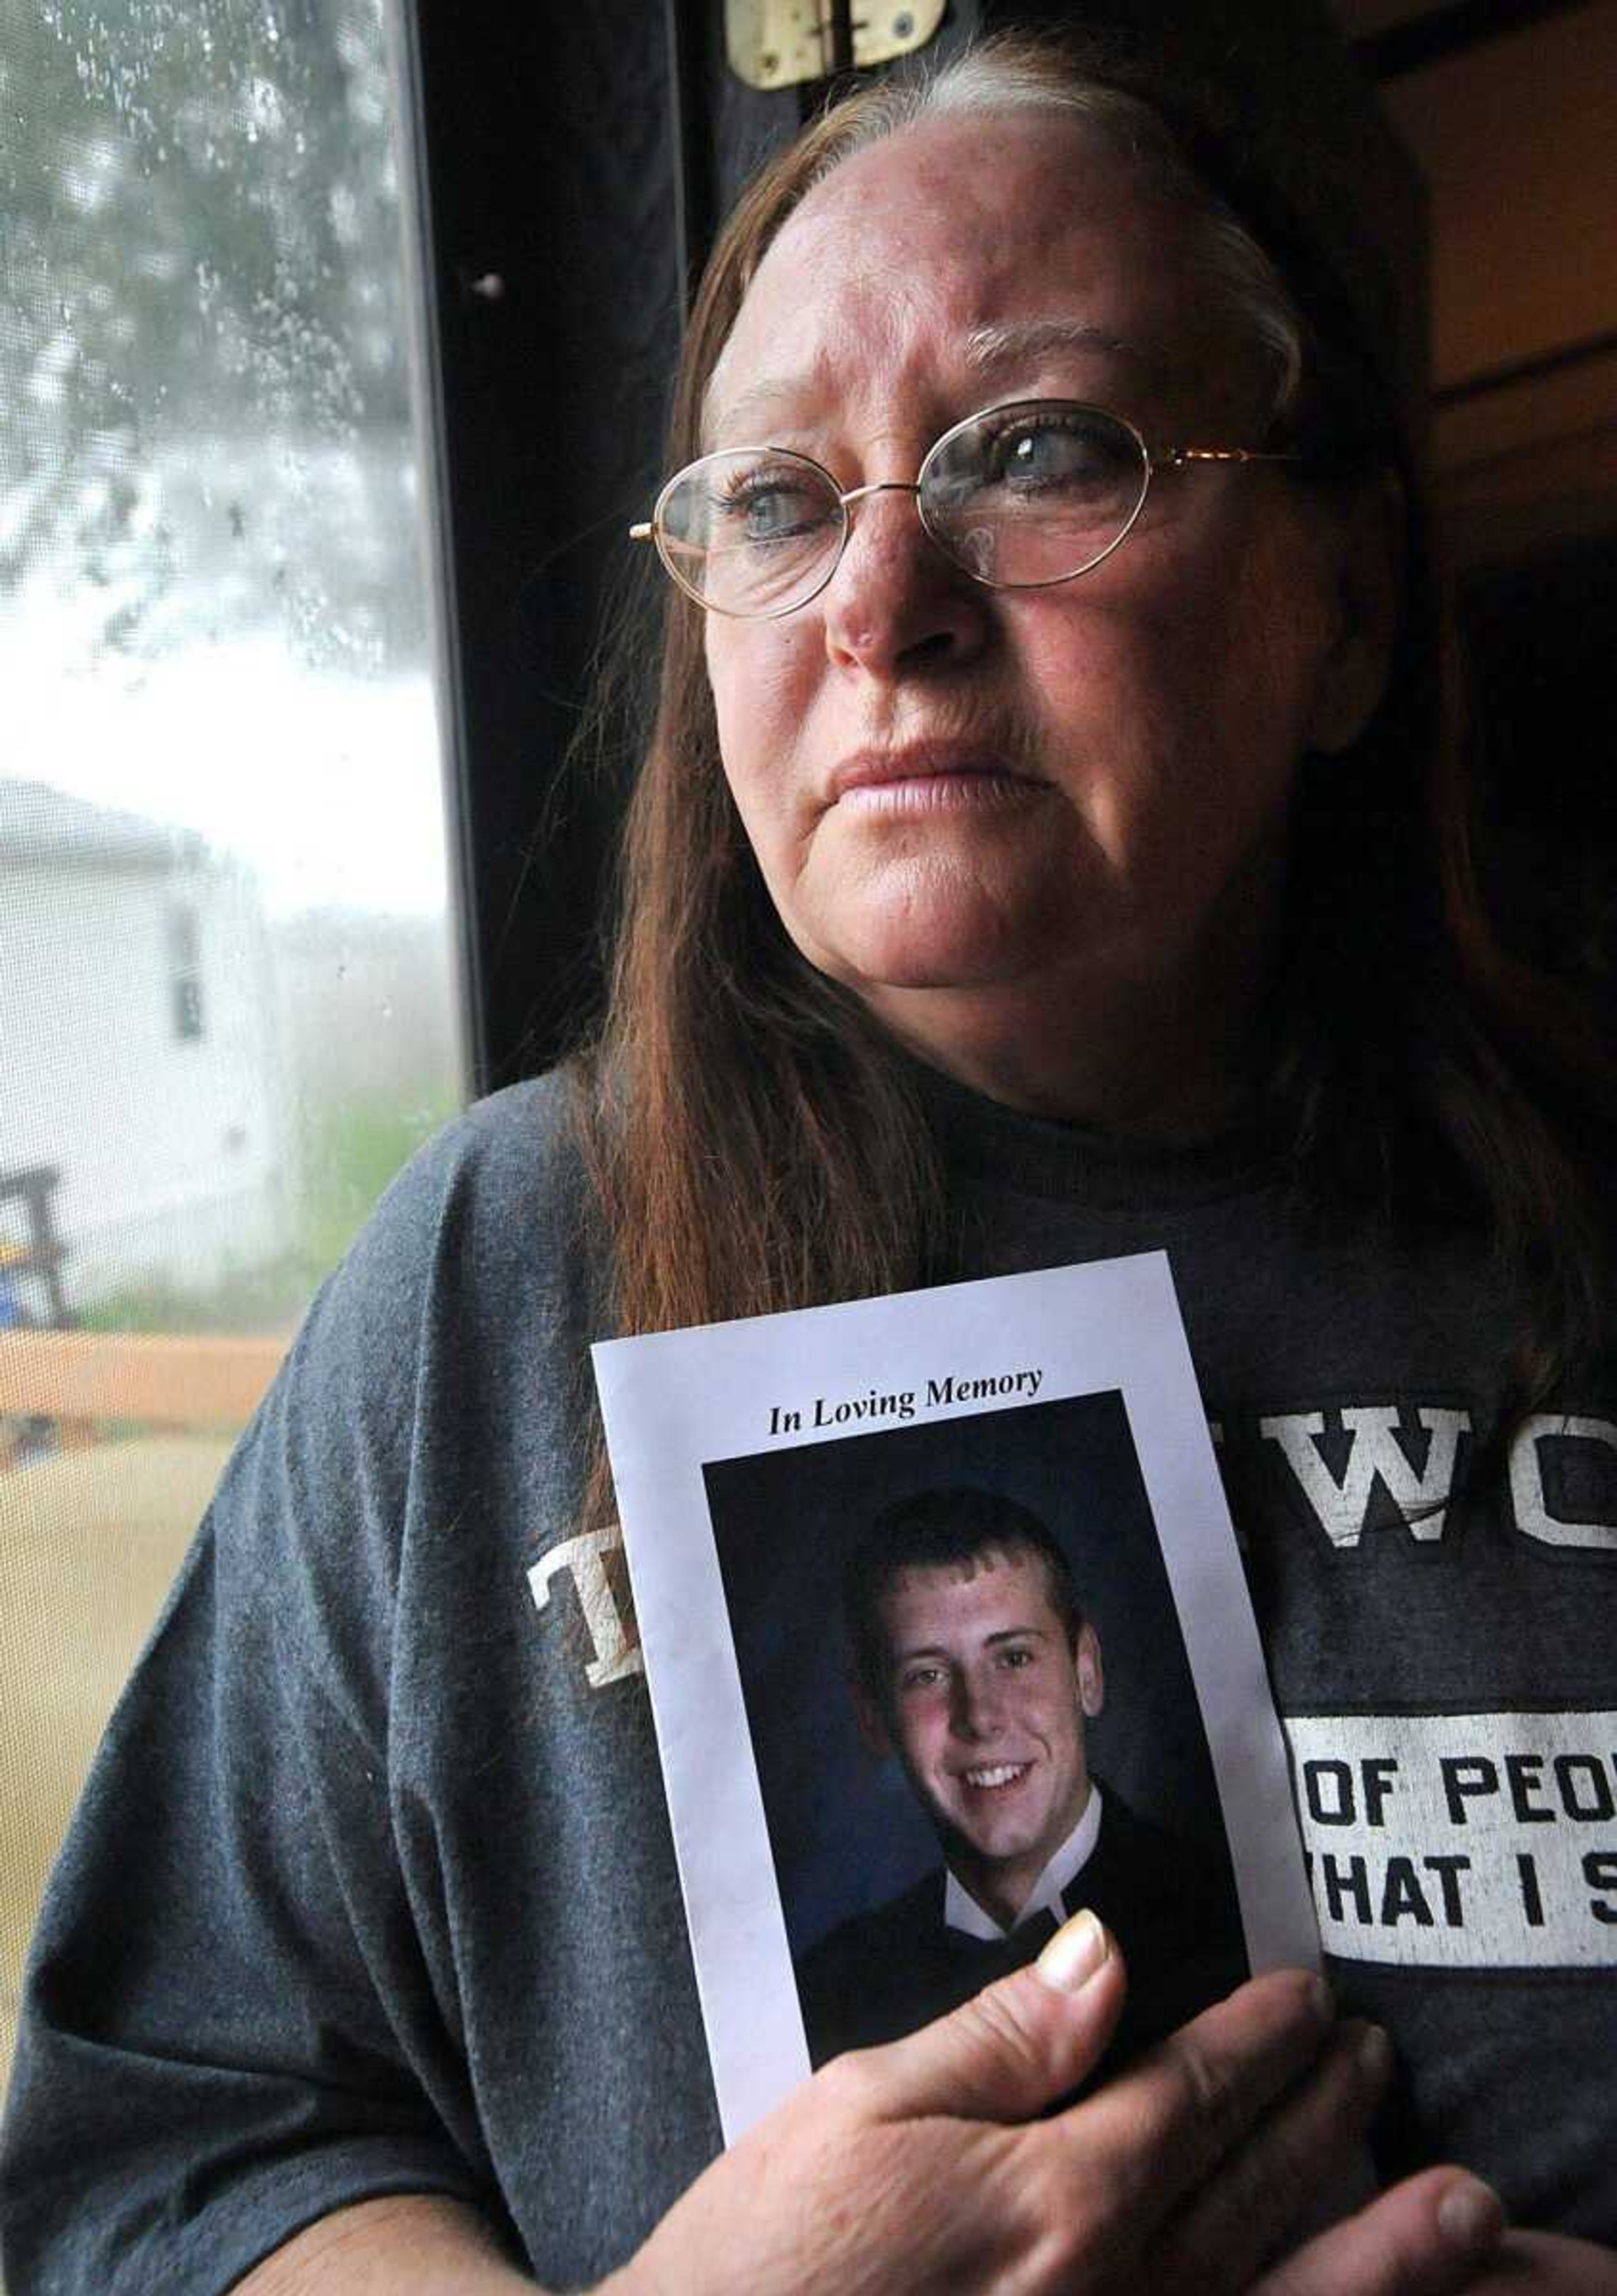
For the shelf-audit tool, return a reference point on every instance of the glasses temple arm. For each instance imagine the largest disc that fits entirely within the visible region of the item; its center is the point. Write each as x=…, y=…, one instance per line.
x=1173, y=456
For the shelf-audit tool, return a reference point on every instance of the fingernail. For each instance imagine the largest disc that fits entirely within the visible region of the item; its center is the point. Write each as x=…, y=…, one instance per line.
x=1073, y=1954
x=1471, y=2213
x=1374, y=2054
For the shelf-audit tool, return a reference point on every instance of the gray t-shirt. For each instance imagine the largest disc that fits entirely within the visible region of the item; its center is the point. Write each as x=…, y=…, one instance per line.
x=371, y=1888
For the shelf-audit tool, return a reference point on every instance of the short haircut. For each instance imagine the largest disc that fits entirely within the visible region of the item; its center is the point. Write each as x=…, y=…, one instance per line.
x=936, y=1530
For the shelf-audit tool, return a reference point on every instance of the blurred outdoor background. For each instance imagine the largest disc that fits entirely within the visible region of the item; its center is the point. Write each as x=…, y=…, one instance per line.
x=229, y=1006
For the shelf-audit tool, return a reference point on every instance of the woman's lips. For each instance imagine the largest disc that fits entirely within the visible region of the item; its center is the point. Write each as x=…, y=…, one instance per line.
x=928, y=777
x=941, y=793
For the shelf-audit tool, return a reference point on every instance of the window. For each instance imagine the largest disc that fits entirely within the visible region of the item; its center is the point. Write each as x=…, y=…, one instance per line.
x=185, y=974
x=228, y=1007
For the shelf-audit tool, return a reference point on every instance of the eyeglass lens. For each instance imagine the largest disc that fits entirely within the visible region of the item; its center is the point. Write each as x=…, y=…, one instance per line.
x=1017, y=496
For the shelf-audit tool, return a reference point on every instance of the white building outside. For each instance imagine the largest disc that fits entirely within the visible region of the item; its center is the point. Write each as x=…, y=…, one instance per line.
x=138, y=1055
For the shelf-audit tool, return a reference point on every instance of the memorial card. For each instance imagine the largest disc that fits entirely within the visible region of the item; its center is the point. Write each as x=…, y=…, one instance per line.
x=947, y=1635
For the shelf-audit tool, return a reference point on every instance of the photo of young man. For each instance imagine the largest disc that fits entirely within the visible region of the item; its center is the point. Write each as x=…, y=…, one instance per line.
x=972, y=1662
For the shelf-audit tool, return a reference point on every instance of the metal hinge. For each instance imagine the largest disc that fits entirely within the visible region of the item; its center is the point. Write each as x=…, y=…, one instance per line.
x=782, y=43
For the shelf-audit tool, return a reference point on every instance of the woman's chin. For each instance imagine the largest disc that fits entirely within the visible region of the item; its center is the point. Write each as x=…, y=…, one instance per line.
x=928, y=943
x=901, y=957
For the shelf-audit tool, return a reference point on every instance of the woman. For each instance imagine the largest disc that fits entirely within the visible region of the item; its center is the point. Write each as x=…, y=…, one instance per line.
x=996, y=896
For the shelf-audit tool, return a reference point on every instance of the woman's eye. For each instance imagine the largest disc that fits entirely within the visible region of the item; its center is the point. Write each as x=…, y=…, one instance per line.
x=1049, y=455
x=773, y=510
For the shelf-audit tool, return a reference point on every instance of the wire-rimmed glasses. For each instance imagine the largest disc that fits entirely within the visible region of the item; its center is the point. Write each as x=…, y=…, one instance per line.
x=1018, y=496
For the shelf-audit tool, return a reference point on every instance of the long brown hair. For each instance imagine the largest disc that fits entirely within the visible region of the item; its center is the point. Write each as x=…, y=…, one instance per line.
x=752, y=1143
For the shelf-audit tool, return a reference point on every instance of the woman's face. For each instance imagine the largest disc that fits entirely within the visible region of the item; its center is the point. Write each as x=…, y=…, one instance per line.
x=961, y=798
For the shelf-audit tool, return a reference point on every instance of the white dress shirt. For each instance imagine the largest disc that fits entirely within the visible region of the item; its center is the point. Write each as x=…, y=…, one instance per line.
x=961, y=1910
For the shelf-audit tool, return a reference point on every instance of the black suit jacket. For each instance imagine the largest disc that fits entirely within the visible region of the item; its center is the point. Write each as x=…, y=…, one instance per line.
x=881, y=1974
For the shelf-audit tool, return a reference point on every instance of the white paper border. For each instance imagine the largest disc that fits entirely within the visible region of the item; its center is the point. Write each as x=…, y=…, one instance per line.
x=674, y=1400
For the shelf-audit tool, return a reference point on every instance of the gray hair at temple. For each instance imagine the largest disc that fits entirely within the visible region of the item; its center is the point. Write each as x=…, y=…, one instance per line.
x=1315, y=242
x=998, y=80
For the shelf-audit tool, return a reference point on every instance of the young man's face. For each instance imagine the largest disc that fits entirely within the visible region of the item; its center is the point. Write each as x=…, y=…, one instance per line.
x=984, y=1703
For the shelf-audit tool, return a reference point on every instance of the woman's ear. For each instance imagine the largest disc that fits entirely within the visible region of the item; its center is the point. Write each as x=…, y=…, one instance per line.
x=1369, y=545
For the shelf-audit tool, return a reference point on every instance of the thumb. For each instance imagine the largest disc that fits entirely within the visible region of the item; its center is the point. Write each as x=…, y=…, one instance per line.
x=1019, y=2045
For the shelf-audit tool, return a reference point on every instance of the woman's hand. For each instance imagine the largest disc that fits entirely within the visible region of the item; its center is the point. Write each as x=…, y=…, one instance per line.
x=924, y=2165
x=1547, y=2263
x=1523, y=2264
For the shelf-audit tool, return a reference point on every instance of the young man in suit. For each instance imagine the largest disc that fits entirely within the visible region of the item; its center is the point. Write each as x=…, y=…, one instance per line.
x=971, y=1662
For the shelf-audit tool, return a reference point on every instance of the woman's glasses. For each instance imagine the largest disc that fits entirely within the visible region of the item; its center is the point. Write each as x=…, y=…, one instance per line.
x=1018, y=496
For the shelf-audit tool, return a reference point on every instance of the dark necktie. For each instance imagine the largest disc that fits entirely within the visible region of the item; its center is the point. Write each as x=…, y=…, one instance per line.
x=992, y=1957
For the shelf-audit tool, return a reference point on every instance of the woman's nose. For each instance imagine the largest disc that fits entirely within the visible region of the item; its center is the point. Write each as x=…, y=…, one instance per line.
x=896, y=603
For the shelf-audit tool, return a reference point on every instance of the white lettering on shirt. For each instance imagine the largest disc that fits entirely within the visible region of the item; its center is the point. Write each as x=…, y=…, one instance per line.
x=616, y=1655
